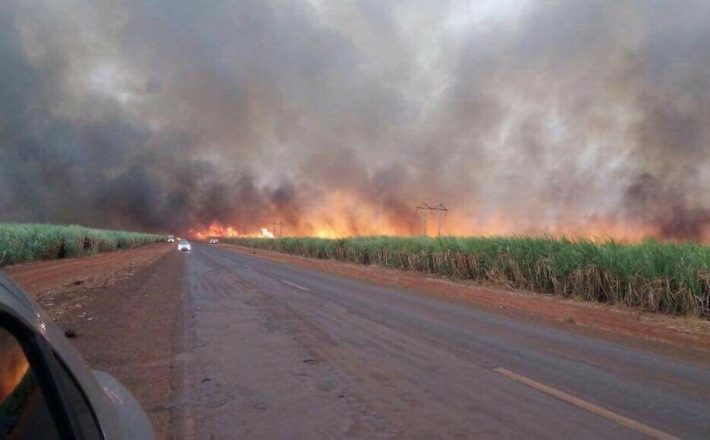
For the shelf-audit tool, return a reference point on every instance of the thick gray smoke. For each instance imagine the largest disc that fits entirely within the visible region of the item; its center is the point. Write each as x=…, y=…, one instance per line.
x=576, y=117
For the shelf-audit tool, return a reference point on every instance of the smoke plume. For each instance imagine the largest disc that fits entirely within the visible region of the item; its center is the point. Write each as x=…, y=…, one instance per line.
x=339, y=118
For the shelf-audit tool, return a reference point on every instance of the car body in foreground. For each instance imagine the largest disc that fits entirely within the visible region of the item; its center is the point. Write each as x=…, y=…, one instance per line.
x=184, y=245
x=46, y=389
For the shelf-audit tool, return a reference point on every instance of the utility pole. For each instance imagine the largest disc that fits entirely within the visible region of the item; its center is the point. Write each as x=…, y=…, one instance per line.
x=440, y=209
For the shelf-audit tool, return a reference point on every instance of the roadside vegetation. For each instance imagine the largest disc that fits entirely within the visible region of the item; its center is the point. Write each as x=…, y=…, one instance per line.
x=20, y=243
x=661, y=277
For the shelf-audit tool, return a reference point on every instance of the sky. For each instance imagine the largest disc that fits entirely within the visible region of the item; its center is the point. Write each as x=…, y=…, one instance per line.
x=583, y=118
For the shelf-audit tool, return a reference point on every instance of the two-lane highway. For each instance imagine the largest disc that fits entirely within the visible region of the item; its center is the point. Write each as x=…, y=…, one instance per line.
x=275, y=351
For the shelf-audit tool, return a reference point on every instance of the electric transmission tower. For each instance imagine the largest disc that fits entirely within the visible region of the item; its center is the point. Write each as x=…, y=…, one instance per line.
x=278, y=233
x=440, y=210
x=425, y=209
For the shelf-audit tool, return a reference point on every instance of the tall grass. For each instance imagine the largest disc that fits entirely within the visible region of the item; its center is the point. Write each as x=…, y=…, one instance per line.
x=27, y=242
x=667, y=277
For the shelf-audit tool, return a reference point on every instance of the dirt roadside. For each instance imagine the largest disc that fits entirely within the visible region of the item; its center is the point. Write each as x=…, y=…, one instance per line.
x=100, y=270
x=124, y=312
x=677, y=333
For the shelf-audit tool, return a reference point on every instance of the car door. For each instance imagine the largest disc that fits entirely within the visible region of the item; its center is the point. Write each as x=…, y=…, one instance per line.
x=39, y=397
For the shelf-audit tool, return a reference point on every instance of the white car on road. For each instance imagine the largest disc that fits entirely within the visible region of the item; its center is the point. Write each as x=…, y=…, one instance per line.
x=184, y=245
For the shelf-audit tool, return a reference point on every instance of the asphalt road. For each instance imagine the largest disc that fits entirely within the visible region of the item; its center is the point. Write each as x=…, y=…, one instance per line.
x=276, y=351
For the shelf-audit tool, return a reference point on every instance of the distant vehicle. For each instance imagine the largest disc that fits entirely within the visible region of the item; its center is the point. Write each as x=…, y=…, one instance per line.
x=184, y=245
x=46, y=389
x=214, y=240
x=171, y=239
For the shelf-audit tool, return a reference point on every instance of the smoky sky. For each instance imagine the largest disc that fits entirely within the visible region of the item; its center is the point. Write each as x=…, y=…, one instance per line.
x=342, y=116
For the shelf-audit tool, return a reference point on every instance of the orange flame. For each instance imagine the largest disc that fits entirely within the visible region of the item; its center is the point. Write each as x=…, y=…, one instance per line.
x=493, y=226
x=346, y=215
x=217, y=230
